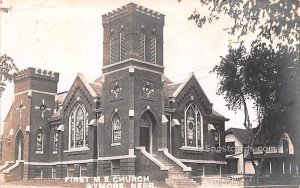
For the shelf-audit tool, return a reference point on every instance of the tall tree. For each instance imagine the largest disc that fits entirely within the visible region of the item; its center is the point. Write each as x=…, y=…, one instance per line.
x=260, y=73
x=7, y=68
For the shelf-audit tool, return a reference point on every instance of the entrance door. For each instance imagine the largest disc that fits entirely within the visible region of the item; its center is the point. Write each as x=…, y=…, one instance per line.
x=19, y=146
x=146, y=131
x=145, y=138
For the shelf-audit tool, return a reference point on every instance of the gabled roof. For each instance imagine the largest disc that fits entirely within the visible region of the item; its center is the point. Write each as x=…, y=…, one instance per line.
x=178, y=88
x=240, y=134
x=87, y=85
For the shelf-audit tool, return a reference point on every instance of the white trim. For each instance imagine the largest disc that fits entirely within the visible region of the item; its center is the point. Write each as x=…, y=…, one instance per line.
x=39, y=152
x=116, y=157
x=36, y=91
x=76, y=149
x=61, y=162
x=6, y=163
x=85, y=83
x=135, y=67
x=202, y=161
x=175, y=122
x=175, y=160
x=116, y=144
x=132, y=59
x=150, y=157
x=12, y=167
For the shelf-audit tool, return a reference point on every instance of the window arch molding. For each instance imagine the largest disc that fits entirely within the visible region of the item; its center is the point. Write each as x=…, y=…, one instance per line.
x=192, y=126
x=39, y=136
x=115, y=124
x=78, y=126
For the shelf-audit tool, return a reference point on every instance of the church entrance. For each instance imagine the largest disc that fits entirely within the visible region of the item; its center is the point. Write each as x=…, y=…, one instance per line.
x=19, y=145
x=146, y=127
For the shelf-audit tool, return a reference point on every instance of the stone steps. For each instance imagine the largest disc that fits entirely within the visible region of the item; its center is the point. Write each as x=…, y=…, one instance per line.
x=176, y=177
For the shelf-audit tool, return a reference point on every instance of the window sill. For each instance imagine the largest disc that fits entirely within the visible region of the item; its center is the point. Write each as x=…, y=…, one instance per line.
x=77, y=149
x=115, y=144
x=39, y=152
x=54, y=152
x=187, y=148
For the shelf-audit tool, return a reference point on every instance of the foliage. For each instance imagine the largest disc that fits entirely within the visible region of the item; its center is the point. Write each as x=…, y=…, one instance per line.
x=276, y=21
x=7, y=71
x=261, y=73
x=7, y=68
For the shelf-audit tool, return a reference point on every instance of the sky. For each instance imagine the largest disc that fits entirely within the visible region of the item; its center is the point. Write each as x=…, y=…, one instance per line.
x=66, y=36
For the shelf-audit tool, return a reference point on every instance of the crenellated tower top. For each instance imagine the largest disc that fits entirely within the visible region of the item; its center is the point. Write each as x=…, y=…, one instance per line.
x=133, y=31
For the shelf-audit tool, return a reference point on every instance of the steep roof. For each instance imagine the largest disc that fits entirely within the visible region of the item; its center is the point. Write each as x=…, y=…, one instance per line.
x=240, y=134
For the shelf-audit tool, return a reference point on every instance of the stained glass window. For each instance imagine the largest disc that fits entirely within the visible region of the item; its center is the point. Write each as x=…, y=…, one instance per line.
x=116, y=129
x=78, y=122
x=55, y=139
x=192, y=126
x=39, y=141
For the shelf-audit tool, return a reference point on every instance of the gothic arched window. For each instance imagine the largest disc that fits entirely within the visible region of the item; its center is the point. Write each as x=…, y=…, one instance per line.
x=153, y=48
x=39, y=141
x=192, y=126
x=78, y=125
x=116, y=129
x=142, y=45
x=55, y=139
x=122, y=44
x=112, y=48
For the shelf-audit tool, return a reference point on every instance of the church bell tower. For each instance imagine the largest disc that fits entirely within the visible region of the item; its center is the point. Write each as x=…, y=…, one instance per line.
x=132, y=83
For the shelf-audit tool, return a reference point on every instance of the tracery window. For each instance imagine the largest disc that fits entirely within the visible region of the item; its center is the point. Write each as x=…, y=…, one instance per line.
x=116, y=129
x=122, y=44
x=142, y=45
x=112, y=48
x=55, y=139
x=192, y=126
x=78, y=125
x=153, y=48
x=39, y=141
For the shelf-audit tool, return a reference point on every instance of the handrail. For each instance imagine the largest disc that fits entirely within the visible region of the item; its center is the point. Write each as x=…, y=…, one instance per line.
x=13, y=166
x=175, y=160
x=154, y=160
x=6, y=163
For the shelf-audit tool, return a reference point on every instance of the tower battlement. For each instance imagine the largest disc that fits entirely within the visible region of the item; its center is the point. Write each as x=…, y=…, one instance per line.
x=37, y=73
x=130, y=8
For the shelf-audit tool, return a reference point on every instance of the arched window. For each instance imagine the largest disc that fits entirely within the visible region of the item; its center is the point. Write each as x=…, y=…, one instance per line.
x=153, y=48
x=78, y=125
x=142, y=45
x=55, y=139
x=192, y=126
x=122, y=44
x=39, y=140
x=116, y=129
x=112, y=48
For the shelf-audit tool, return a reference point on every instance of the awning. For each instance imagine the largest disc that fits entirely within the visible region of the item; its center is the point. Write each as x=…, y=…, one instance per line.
x=175, y=122
x=93, y=122
x=11, y=132
x=27, y=128
x=61, y=128
x=211, y=127
x=164, y=119
x=101, y=119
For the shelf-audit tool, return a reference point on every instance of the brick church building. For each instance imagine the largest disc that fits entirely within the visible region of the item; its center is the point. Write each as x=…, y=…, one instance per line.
x=132, y=120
